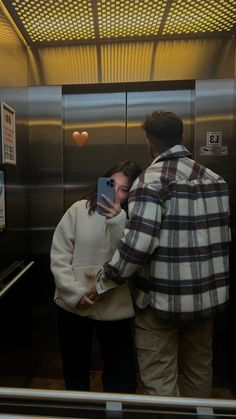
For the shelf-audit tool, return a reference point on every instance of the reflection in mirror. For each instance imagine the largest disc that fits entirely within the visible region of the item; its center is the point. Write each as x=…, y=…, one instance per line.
x=30, y=350
x=52, y=173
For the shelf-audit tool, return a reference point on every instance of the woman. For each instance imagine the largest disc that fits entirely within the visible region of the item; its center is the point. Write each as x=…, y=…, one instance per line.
x=82, y=242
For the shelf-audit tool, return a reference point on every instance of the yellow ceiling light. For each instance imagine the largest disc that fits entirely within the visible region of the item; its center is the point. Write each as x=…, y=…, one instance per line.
x=48, y=21
x=7, y=34
x=196, y=16
x=125, y=18
x=84, y=21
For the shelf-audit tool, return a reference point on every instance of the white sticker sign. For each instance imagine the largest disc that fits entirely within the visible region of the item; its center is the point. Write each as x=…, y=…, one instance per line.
x=214, y=151
x=8, y=132
x=214, y=139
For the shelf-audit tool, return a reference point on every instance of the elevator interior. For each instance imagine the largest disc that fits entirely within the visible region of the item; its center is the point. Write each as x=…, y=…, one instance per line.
x=108, y=96
x=61, y=173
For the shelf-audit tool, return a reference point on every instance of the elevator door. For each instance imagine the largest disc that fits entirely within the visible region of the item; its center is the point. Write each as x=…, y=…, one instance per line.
x=113, y=122
x=102, y=115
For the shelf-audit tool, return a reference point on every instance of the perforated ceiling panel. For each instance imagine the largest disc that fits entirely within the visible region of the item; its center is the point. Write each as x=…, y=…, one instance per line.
x=78, y=21
x=199, y=17
x=56, y=20
x=122, y=19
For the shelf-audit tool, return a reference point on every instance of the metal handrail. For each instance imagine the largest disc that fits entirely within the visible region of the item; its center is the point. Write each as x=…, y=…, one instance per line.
x=92, y=397
x=16, y=278
x=10, y=269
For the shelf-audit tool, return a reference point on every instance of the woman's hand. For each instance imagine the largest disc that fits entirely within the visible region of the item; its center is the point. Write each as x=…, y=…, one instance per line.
x=111, y=209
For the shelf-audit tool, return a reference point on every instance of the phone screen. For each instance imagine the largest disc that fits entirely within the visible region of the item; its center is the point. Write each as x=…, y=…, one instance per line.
x=106, y=186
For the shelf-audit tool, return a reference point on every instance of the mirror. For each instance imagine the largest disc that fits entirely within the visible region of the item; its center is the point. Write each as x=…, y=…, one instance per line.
x=29, y=350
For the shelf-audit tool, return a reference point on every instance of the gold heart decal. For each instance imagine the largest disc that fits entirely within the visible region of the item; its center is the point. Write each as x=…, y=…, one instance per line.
x=80, y=139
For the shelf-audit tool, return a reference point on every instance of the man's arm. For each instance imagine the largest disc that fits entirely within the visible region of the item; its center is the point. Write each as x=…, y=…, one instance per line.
x=140, y=239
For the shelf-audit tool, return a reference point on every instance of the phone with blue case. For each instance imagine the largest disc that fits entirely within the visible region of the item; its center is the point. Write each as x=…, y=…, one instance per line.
x=106, y=186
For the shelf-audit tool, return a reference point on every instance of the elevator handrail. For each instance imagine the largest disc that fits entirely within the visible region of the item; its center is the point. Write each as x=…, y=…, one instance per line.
x=104, y=398
x=16, y=278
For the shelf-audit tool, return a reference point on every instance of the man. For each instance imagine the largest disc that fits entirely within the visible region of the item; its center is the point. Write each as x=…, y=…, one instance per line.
x=176, y=249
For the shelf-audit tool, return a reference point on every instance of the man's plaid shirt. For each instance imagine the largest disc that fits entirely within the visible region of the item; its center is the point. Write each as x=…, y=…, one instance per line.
x=176, y=244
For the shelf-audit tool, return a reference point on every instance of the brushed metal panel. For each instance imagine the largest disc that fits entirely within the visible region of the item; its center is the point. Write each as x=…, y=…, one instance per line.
x=139, y=104
x=215, y=108
x=46, y=164
x=215, y=111
x=103, y=116
x=14, y=241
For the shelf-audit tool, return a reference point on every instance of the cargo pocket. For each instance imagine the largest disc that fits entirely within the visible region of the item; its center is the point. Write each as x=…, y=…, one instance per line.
x=145, y=340
x=146, y=346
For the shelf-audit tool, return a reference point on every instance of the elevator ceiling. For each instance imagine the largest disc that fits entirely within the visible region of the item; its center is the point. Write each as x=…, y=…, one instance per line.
x=61, y=22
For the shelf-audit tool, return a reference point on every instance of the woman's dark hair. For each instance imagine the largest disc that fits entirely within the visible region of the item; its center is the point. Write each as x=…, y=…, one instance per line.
x=129, y=168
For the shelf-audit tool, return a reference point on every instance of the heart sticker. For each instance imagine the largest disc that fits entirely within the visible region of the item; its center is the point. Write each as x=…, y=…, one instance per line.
x=80, y=139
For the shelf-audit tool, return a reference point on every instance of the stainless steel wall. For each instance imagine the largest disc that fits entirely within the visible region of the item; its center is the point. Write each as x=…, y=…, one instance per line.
x=15, y=300
x=215, y=111
x=46, y=164
x=14, y=241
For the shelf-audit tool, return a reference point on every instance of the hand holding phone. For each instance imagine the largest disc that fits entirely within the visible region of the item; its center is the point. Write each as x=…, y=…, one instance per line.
x=106, y=186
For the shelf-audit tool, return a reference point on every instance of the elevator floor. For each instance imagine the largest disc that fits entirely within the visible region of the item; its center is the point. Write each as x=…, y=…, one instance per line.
x=96, y=386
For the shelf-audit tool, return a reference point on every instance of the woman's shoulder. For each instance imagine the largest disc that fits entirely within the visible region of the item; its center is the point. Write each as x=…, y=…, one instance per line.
x=82, y=204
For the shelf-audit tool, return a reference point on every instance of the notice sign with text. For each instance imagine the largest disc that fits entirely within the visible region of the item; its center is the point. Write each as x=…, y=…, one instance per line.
x=2, y=202
x=8, y=134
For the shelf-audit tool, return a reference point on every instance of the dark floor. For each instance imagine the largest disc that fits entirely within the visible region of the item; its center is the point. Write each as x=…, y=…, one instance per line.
x=96, y=386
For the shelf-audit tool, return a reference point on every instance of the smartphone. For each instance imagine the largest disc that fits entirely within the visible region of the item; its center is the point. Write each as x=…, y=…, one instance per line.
x=106, y=186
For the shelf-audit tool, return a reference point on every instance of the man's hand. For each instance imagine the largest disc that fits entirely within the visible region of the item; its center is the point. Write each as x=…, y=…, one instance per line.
x=92, y=292
x=85, y=302
x=91, y=295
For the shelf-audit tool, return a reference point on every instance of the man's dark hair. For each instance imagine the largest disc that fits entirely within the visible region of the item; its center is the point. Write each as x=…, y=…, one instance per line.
x=163, y=129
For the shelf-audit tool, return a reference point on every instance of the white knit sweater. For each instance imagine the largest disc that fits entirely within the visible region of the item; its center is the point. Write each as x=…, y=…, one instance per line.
x=83, y=243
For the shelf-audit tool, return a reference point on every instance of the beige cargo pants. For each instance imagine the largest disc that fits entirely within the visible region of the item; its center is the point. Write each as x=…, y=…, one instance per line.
x=174, y=358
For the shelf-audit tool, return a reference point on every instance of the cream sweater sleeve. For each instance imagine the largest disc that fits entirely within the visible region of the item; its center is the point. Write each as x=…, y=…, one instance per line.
x=61, y=255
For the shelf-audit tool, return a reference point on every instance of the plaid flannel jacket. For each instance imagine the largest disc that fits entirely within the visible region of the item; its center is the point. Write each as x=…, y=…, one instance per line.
x=176, y=244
